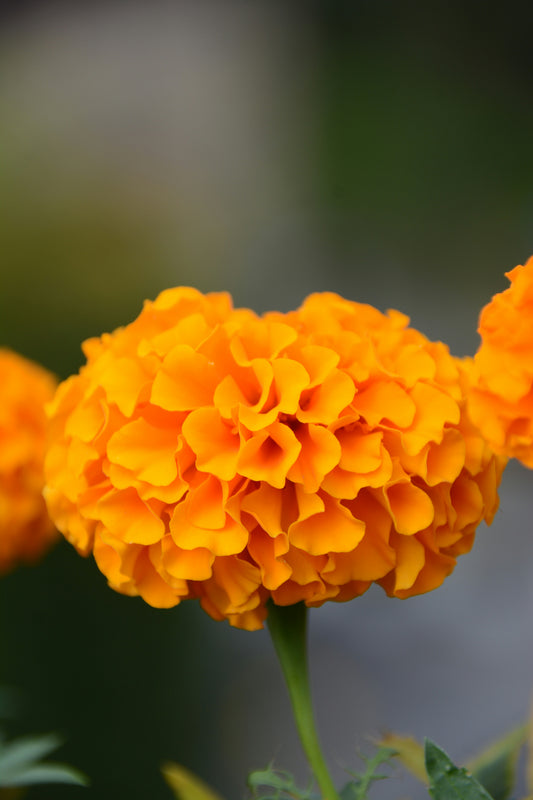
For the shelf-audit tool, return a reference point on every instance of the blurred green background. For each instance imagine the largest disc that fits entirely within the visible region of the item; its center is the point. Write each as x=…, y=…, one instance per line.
x=381, y=150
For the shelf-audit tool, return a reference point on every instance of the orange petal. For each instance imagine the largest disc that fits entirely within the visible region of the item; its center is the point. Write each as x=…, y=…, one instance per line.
x=269, y=454
x=86, y=421
x=125, y=515
x=361, y=451
x=411, y=557
x=410, y=507
x=434, y=409
x=192, y=565
x=446, y=460
x=385, y=402
x=205, y=505
x=324, y=403
x=239, y=580
x=230, y=539
x=151, y=586
x=320, y=453
x=332, y=530
x=467, y=500
x=122, y=382
x=215, y=444
x=149, y=452
x=268, y=552
x=185, y=380
x=265, y=504
x=261, y=339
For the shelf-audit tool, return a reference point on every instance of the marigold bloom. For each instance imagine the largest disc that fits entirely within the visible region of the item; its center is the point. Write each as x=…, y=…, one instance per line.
x=25, y=527
x=204, y=451
x=502, y=400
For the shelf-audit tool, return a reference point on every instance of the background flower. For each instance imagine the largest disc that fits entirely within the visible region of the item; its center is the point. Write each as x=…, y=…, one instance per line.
x=25, y=528
x=502, y=400
x=208, y=452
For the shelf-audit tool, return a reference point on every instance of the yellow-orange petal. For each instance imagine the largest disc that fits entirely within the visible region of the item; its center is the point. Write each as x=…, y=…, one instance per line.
x=123, y=381
x=269, y=455
x=324, y=403
x=410, y=507
x=228, y=540
x=385, y=402
x=265, y=505
x=151, y=586
x=268, y=553
x=434, y=410
x=213, y=441
x=206, y=504
x=192, y=565
x=185, y=380
x=410, y=560
x=320, y=453
x=333, y=529
x=148, y=451
x=128, y=518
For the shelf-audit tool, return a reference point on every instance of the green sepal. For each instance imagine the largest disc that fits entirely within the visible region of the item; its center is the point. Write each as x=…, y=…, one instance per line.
x=185, y=785
x=447, y=781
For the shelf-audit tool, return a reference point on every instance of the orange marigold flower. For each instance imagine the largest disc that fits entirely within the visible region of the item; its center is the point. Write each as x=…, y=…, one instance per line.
x=206, y=452
x=25, y=527
x=502, y=400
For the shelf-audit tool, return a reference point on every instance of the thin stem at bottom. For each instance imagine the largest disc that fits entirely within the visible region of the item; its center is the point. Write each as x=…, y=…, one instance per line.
x=288, y=629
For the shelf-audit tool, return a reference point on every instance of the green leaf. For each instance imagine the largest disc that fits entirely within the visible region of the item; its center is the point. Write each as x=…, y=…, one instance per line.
x=448, y=782
x=409, y=752
x=358, y=788
x=20, y=766
x=186, y=785
x=24, y=751
x=281, y=782
x=495, y=767
x=274, y=779
x=45, y=773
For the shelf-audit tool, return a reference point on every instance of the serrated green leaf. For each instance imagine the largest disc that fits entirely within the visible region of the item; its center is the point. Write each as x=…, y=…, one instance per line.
x=271, y=778
x=45, y=773
x=358, y=788
x=495, y=767
x=186, y=785
x=281, y=781
x=448, y=782
x=409, y=752
x=25, y=751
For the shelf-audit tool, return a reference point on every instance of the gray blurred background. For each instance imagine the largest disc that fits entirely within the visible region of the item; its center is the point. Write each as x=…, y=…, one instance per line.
x=381, y=150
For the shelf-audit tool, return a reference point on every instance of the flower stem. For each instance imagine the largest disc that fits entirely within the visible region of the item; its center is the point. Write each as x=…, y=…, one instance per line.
x=288, y=629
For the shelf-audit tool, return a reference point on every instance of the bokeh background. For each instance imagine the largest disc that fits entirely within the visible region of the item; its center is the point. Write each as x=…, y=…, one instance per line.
x=381, y=150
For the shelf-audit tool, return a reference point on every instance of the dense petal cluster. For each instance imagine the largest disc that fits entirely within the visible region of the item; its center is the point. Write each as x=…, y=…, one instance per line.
x=25, y=527
x=502, y=401
x=206, y=452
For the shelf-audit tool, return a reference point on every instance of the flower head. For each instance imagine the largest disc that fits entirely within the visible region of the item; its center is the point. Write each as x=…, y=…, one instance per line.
x=204, y=451
x=502, y=398
x=25, y=527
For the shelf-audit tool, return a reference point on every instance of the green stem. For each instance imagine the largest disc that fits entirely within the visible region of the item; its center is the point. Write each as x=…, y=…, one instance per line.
x=288, y=629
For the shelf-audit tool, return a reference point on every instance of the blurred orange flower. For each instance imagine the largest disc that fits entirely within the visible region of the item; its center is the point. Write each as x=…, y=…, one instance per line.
x=25, y=527
x=502, y=400
x=205, y=452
